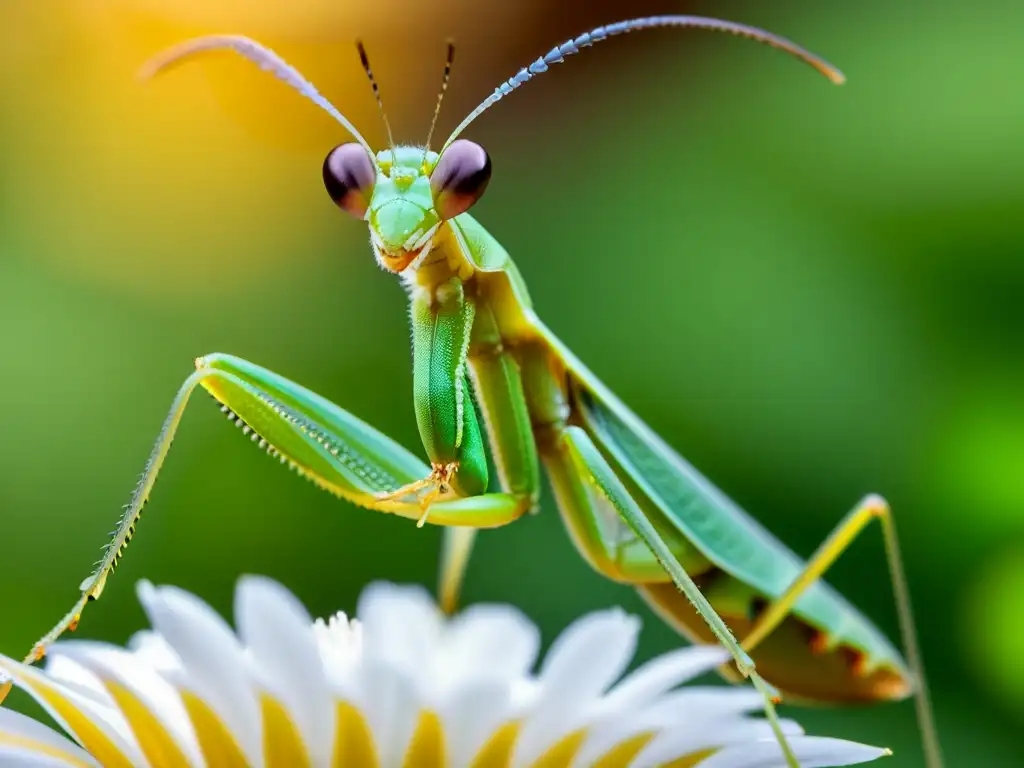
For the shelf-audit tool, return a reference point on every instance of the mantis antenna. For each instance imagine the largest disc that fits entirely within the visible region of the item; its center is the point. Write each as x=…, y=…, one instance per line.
x=557, y=54
x=376, y=94
x=440, y=96
x=264, y=58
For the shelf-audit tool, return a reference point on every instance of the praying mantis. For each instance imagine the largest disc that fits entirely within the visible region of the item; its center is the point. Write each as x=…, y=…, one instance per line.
x=491, y=381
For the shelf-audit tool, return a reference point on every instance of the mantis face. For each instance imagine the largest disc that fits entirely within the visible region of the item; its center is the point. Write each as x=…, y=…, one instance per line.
x=405, y=194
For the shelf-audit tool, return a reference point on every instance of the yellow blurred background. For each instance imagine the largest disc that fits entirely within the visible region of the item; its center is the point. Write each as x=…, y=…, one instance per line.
x=812, y=292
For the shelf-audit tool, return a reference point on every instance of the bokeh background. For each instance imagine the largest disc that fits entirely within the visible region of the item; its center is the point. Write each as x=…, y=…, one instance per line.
x=813, y=292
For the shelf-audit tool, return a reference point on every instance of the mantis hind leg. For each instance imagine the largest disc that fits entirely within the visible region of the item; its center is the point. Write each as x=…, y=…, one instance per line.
x=871, y=508
x=316, y=438
x=580, y=472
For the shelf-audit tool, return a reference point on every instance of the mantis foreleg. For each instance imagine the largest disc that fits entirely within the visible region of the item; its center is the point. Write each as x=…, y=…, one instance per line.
x=317, y=439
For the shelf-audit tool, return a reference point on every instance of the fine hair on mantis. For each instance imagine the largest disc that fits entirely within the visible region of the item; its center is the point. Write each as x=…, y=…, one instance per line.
x=492, y=384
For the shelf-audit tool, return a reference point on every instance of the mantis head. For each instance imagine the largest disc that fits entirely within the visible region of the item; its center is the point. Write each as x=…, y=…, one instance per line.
x=405, y=193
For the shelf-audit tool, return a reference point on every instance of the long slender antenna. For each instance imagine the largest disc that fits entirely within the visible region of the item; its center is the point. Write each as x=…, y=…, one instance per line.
x=376, y=92
x=557, y=54
x=264, y=58
x=440, y=96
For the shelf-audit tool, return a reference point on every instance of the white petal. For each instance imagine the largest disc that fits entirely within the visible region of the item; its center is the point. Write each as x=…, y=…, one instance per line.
x=99, y=712
x=77, y=677
x=21, y=727
x=126, y=669
x=153, y=651
x=810, y=751
x=400, y=624
x=625, y=710
x=339, y=641
x=391, y=708
x=212, y=658
x=693, y=738
x=13, y=757
x=471, y=716
x=488, y=640
x=610, y=733
x=705, y=703
x=661, y=674
x=680, y=713
x=279, y=633
x=585, y=659
x=592, y=652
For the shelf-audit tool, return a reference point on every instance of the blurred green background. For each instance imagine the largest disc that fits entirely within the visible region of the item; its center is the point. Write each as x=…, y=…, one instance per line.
x=812, y=292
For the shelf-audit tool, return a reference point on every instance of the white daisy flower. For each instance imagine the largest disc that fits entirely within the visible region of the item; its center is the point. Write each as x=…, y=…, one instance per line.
x=402, y=687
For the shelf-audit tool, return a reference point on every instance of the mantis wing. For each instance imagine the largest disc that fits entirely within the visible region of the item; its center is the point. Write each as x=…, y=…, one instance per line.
x=761, y=566
x=826, y=650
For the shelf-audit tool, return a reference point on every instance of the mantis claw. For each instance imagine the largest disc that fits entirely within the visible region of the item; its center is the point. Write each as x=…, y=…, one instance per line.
x=406, y=490
x=438, y=482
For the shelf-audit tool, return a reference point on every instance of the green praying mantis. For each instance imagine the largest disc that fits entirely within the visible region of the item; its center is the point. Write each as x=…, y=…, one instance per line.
x=490, y=380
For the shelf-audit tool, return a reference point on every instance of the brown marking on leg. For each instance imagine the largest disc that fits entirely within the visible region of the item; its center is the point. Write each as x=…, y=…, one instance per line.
x=819, y=642
x=855, y=659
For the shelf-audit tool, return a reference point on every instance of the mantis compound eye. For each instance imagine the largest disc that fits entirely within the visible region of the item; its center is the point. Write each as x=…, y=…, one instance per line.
x=459, y=178
x=349, y=176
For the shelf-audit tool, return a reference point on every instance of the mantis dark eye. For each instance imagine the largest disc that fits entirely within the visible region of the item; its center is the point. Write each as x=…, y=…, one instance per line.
x=459, y=178
x=348, y=176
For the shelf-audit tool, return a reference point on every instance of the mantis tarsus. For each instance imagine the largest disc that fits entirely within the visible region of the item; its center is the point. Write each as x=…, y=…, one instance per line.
x=490, y=379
